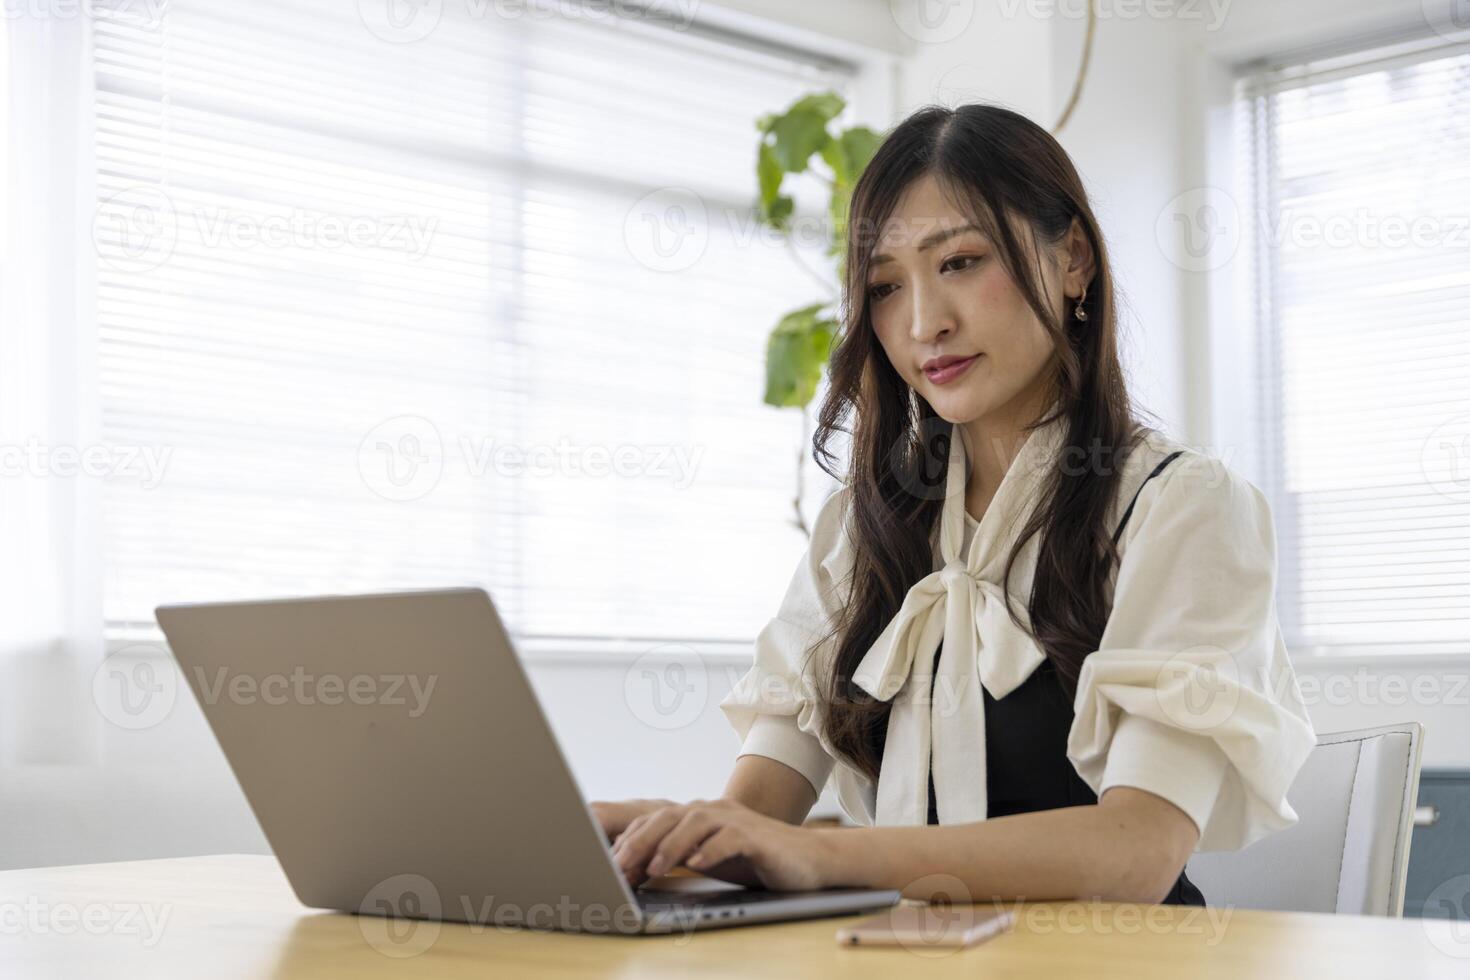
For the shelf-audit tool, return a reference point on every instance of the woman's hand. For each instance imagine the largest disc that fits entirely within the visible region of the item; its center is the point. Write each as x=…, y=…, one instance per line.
x=723, y=839
x=615, y=815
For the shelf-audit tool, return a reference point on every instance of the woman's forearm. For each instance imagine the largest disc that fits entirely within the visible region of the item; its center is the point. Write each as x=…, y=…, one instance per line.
x=770, y=787
x=1112, y=853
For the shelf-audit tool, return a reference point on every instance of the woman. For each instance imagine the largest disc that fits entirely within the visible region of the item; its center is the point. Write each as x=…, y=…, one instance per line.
x=1033, y=642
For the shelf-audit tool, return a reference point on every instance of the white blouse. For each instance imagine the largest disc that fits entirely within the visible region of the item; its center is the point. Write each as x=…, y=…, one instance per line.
x=1190, y=694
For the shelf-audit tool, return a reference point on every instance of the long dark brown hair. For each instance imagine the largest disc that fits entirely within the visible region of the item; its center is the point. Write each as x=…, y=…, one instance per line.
x=997, y=163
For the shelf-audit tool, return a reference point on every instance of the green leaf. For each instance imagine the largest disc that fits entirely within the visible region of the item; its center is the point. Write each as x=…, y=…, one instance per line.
x=801, y=343
x=836, y=158
x=849, y=154
x=778, y=214
x=828, y=105
x=798, y=134
x=768, y=172
x=795, y=355
x=858, y=146
x=837, y=211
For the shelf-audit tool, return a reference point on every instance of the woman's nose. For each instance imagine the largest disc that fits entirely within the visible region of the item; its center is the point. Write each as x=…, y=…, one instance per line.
x=932, y=317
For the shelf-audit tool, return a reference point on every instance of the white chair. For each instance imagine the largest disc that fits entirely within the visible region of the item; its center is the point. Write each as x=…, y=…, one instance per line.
x=1349, y=852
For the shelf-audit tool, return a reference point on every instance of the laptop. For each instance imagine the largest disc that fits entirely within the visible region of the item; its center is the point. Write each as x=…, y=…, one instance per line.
x=399, y=763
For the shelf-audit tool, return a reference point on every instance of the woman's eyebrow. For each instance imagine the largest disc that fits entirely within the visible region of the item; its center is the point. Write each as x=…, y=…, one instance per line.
x=935, y=239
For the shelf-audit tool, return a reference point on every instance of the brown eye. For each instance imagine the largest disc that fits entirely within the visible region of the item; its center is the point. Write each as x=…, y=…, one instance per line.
x=877, y=293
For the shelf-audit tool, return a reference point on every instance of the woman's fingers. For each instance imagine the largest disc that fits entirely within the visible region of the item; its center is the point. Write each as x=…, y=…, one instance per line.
x=659, y=840
x=636, y=845
x=724, y=844
x=615, y=816
x=612, y=816
x=698, y=823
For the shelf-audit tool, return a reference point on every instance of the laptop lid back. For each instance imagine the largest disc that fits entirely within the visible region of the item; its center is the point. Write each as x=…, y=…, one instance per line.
x=397, y=759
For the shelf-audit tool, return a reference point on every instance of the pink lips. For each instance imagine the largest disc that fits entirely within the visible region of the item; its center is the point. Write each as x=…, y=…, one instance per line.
x=942, y=370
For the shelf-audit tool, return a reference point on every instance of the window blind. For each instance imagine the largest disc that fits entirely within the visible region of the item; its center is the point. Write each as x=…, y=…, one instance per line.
x=482, y=304
x=1356, y=179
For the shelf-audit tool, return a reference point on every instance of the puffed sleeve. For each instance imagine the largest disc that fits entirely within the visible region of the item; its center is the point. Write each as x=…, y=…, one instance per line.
x=775, y=707
x=1190, y=694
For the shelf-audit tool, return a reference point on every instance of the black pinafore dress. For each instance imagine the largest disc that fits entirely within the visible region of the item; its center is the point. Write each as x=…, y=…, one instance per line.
x=1027, y=768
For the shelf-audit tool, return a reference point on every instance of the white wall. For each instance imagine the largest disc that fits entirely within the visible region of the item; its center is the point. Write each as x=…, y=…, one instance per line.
x=166, y=789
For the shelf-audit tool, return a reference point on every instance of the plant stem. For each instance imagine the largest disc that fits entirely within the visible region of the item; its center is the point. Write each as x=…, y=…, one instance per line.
x=832, y=294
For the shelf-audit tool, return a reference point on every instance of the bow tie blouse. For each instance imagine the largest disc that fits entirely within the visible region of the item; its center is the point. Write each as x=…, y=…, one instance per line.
x=1190, y=694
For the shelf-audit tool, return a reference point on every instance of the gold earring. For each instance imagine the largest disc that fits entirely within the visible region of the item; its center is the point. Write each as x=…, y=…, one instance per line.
x=1079, y=312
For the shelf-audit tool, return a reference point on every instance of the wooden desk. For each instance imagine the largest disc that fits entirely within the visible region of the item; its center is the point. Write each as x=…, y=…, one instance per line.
x=235, y=916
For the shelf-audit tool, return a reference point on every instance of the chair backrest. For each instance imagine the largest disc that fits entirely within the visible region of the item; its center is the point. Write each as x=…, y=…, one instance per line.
x=1349, y=851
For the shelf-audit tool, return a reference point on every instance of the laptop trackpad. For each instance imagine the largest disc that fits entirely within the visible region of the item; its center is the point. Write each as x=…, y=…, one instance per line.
x=688, y=885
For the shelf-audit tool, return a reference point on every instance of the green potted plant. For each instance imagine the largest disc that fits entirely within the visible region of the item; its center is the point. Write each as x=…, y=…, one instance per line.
x=791, y=142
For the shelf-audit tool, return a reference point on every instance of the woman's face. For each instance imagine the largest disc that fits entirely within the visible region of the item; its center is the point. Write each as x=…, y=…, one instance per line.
x=949, y=316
